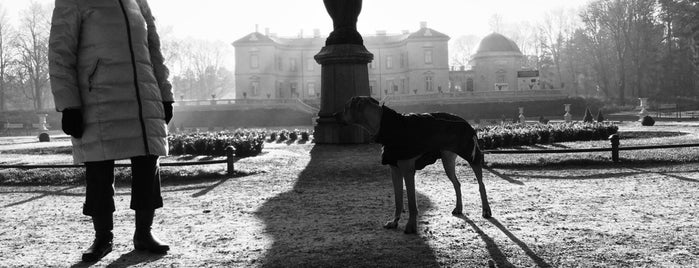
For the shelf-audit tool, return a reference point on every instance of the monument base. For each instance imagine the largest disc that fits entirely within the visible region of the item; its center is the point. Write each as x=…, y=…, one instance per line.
x=344, y=74
x=329, y=131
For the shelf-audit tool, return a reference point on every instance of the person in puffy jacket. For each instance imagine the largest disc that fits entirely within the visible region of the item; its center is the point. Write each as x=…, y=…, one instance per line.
x=109, y=81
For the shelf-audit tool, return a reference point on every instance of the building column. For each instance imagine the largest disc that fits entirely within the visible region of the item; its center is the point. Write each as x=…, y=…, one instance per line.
x=344, y=73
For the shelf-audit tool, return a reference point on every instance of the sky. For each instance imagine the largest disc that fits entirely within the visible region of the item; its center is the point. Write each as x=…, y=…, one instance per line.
x=228, y=20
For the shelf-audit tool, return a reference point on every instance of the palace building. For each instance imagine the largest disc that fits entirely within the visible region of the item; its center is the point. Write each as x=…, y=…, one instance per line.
x=406, y=66
x=408, y=63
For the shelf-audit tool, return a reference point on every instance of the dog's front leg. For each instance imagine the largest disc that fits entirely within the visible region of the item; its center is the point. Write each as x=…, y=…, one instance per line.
x=407, y=168
x=398, y=194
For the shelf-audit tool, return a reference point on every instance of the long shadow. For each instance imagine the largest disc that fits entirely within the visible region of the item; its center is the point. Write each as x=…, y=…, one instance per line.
x=42, y=195
x=538, y=260
x=667, y=174
x=495, y=253
x=504, y=177
x=135, y=257
x=334, y=215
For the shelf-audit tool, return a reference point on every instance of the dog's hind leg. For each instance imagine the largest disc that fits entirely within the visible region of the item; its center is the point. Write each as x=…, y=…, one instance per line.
x=407, y=169
x=397, y=178
x=478, y=170
x=449, y=163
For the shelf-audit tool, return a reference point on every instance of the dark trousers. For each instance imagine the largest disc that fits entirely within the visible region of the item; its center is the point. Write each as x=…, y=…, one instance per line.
x=145, y=185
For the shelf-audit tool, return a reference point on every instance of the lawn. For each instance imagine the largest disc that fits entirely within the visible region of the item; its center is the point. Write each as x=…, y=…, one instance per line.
x=324, y=206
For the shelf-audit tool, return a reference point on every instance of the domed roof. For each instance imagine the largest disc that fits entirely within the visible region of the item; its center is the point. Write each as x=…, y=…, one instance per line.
x=496, y=42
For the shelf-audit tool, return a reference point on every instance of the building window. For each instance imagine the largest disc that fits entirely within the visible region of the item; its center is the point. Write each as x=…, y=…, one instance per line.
x=428, y=83
x=372, y=88
x=311, y=89
x=403, y=89
x=310, y=65
x=402, y=60
x=500, y=76
x=280, y=64
x=280, y=94
x=255, y=88
x=469, y=84
x=389, y=62
x=254, y=61
x=292, y=89
x=428, y=56
x=292, y=65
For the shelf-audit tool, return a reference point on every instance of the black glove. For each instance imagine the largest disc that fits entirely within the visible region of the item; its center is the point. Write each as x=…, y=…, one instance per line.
x=72, y=122
x=167, y=106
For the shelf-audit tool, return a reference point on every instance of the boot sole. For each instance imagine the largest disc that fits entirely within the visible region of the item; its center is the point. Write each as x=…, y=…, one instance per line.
x=152, y=250
x=94, y=258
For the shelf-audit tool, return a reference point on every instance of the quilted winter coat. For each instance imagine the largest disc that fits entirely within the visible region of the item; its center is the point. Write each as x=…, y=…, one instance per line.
x=105, y=59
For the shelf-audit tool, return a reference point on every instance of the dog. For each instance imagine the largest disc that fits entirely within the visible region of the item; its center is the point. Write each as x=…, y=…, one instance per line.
x=413, y=141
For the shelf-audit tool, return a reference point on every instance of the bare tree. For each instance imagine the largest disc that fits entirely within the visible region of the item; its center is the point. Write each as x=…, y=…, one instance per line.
x=199, y=68
x=32, y=48
x=462, y=49
x=5, y=55
x=496, y=23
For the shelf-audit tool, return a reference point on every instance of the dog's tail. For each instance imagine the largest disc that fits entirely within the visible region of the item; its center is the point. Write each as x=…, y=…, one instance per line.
x=477, y=154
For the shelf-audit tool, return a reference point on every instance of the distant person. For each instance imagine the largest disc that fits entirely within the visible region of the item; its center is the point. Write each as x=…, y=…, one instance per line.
x=110, y=83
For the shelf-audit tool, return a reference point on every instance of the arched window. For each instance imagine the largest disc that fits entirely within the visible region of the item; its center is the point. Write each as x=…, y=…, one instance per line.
x=469, y=84
x=429, y=84
x=500, y=76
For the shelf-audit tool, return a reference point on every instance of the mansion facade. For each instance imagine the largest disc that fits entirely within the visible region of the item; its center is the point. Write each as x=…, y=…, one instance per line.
x=269, y=67
x=405, y=65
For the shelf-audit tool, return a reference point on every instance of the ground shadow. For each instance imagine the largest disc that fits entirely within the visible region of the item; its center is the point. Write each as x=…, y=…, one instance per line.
x=667, y=174
x=42, y=194
x=135, y=257
x=131, y=258
x=503, y=176
x=538, y=260
x=333, y=216
x=496, y=254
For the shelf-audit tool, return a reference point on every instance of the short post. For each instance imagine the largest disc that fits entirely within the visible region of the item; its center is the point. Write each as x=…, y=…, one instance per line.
x=643, y=112
x=522, y=119
x=230, y=153
x=614, y=139
x=567, y=116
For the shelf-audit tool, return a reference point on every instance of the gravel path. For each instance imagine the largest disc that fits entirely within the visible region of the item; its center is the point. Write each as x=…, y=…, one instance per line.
x=323, y=206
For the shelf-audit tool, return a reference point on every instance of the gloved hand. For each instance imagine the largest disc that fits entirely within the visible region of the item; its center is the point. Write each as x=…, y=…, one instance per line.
x=72, y=122
x=168, y=111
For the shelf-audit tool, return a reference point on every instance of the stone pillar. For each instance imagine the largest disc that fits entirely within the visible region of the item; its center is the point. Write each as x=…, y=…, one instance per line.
x=344, y=74
x=643, y=112
x=43, y=130
x=567, y=117
x=522, y=119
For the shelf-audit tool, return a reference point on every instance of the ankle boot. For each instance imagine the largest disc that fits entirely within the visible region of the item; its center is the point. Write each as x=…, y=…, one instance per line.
x=143, y=239
x=103, y=238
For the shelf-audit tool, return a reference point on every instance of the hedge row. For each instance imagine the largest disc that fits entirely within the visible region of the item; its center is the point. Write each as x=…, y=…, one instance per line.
x=246, y=143
x=290, y=135
x=508, y=135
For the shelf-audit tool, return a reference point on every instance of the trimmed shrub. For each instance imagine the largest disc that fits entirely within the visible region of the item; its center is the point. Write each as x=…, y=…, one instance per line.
x=588, y=116
x=305, y=136
x=507, y=135
x=648, y=121
x=600, y=118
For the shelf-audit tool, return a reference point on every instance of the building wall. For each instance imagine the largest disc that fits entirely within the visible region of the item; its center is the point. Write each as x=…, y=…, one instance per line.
x=498, y=68
x=421, y=68
x=398, y=68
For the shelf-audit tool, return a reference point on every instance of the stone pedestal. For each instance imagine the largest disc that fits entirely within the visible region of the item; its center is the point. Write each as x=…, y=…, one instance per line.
x=567, y=116
x=522, y=119
x=643, y=112
x=344, y=74
x=43, y=135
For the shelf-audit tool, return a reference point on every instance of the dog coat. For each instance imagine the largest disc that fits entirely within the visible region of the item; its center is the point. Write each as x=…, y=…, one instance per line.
x=405, y=136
